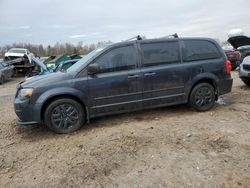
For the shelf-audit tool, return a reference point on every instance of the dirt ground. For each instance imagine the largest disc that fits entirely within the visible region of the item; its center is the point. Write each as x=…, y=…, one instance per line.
x=167, y=147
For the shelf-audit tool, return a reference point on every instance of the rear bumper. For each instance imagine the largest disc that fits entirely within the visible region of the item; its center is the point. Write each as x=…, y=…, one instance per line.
x=28, y=114
x=225, y=86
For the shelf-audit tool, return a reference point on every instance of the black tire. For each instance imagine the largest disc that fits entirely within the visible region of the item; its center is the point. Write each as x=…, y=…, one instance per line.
x=1, y=80
x=247, y=82
x=64, y=116
x=202, y=97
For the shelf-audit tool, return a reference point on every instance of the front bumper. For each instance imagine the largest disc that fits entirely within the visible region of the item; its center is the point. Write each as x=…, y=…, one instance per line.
x=28, y=114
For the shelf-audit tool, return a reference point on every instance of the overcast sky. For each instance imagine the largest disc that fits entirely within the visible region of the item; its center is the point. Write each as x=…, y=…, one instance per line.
x=50, y=21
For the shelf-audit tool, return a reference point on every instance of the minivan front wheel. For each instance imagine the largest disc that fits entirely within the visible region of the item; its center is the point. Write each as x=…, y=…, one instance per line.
x=64, y=116
x=202, y=97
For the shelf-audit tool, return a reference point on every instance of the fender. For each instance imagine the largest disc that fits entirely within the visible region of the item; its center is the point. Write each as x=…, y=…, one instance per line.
x=198, y=78
x=61, y=91
x=41, y=100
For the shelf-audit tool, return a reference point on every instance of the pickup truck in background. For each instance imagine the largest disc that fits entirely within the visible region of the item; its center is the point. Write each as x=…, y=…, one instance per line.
x=15, y=53
x=20, y=58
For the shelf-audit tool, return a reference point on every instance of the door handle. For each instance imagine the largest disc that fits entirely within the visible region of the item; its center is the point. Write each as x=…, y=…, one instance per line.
x=133, y=76
x=150, y=74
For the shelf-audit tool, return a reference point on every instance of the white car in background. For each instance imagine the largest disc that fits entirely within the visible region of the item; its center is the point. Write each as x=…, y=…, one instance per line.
x=242, y=43
x=245, y=70
x=14, y=53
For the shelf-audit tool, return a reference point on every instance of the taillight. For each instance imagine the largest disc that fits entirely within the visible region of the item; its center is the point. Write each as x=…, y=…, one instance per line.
x=228, y=66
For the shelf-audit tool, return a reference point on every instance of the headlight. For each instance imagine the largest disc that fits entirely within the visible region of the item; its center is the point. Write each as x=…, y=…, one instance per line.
x=25, y=93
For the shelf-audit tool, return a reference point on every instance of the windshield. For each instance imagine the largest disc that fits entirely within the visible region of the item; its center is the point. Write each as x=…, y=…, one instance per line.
x=17, y=51
x=82, y=61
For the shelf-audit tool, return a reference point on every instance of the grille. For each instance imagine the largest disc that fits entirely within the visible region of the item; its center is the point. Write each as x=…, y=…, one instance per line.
x=246, y=67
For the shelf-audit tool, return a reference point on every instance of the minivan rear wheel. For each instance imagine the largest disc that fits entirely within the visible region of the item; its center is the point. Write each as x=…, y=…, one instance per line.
x=64, y=116
x=202, y=97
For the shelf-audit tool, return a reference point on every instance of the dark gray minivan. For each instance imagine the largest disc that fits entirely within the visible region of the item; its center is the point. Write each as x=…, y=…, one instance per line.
x=125, y=77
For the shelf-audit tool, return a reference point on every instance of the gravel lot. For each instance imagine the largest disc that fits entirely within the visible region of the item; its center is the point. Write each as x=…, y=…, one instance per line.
x=167, y=147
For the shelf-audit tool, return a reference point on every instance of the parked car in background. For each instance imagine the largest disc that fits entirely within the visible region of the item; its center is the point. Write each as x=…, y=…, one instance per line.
x=53, y=61
x=234, y=57
x=14, y=53
x=125, y=77
x=244, y=51
x=6, y=72
x=245, y=70
x=21, y=59
x=242, y=43
x=64, y=65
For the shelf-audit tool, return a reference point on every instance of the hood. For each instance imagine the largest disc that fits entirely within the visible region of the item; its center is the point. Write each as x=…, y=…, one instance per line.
x=45, y=80
x=10, y=54
x=239, y=41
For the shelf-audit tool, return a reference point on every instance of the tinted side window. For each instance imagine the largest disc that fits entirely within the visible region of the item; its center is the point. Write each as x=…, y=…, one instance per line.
x=160, y=53
x=199, y=50
x=119, y=59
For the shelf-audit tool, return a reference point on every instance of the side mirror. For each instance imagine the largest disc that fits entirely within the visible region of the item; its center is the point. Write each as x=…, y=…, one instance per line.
x=93, y=69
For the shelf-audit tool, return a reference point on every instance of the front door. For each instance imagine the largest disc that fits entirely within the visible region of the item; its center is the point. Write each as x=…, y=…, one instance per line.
x=115, y=88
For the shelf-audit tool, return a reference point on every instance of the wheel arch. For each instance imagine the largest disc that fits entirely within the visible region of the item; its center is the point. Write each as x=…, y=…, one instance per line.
x=211, y=81
x=61, y=96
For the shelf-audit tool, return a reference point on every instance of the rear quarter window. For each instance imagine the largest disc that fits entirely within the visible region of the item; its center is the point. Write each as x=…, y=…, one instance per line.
x=193, y=50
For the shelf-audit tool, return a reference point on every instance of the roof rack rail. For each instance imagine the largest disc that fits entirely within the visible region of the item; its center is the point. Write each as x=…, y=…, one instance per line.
x=138, y=37
x=175, y=35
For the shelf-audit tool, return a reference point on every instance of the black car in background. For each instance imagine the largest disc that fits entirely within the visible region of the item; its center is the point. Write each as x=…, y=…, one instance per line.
x=234, y=57
x=6, y=72
x=125, y=77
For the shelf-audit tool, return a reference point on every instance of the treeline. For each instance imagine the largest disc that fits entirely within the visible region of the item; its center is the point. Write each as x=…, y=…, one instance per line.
x=58, y=48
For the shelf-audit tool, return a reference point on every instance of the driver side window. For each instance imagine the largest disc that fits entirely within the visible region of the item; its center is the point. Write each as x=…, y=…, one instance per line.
x=118, y=59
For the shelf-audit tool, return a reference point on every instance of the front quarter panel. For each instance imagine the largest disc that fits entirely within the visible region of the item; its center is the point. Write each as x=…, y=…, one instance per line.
x=61, y=91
